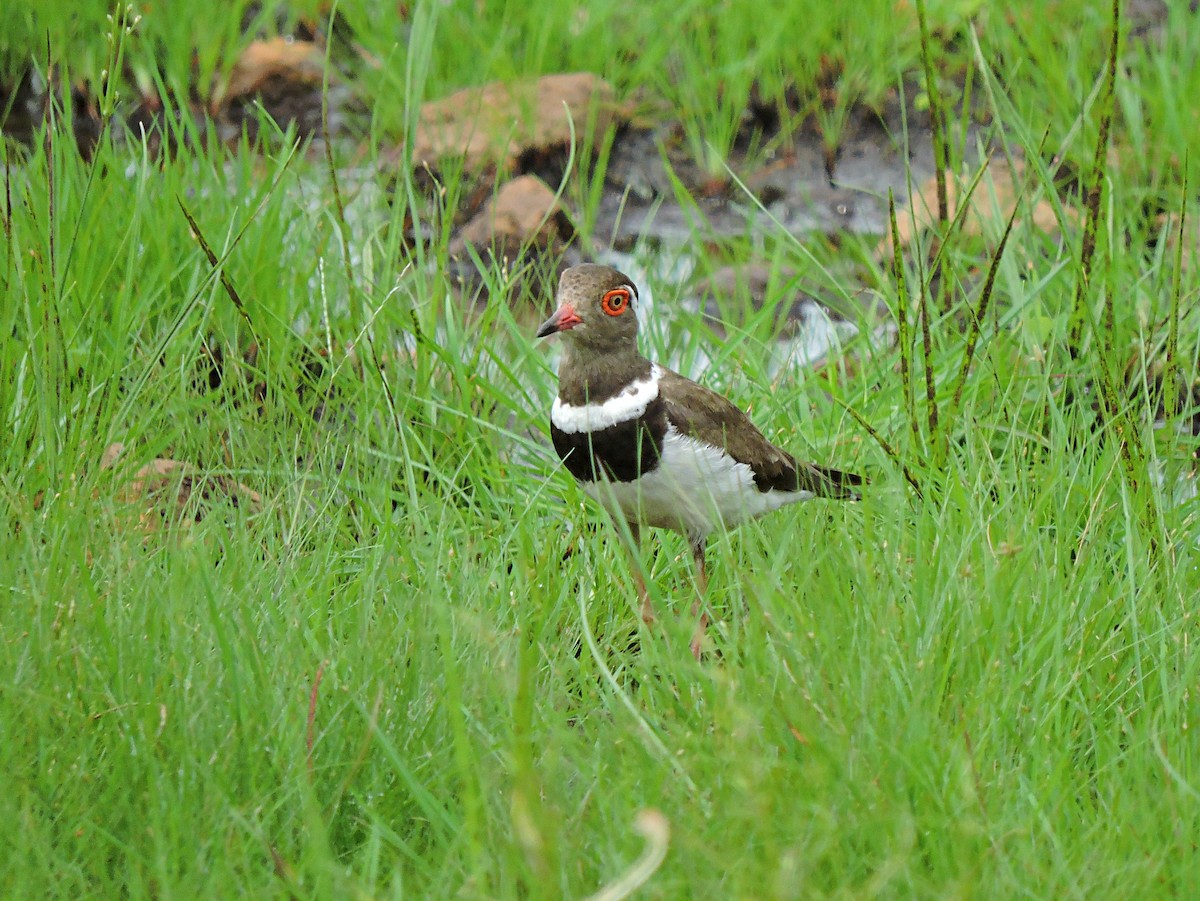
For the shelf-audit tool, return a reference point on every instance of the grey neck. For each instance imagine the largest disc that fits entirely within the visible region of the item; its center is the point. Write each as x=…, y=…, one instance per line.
x=594, y=378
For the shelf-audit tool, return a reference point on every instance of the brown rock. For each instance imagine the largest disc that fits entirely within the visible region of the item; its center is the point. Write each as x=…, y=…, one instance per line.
x=496, y=123
x=266, y=65
x=524, y=213
x=163, y=488
x=992, y=202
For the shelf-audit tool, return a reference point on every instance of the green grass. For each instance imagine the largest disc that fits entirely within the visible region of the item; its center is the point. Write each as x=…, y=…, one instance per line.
x=987, y=691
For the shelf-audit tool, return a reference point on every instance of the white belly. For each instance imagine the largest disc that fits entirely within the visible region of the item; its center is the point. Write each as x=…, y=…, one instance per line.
x=696, y=489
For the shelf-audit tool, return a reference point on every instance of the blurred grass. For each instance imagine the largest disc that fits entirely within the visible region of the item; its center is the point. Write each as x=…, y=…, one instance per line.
x=986, y=692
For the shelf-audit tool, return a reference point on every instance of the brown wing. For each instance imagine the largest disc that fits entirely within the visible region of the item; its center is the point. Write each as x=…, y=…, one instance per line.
x=707, y=416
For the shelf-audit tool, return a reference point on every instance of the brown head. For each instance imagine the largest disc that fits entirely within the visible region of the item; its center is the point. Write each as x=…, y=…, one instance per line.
x=595, y=310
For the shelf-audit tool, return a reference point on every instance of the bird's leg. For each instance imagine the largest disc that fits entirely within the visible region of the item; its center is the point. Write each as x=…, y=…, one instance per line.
x=701, y=590
x=633, y=547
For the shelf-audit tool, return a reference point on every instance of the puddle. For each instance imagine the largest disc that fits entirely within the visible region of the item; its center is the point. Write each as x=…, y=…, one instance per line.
x=793, y=187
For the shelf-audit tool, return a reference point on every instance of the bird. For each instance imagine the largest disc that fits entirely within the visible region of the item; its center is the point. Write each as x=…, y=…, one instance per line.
x=655, y=448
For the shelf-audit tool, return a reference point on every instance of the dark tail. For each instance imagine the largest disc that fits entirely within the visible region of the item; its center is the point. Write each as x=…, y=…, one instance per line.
x=832, y=483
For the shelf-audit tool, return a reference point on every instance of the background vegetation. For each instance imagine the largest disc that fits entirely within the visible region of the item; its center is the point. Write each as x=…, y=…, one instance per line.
x=367, y=645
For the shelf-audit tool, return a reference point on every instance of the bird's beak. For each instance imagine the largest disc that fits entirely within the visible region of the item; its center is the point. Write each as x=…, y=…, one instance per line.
x=564, y=318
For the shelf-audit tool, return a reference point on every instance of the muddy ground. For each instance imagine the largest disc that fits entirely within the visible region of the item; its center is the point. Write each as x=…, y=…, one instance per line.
x=808, y=186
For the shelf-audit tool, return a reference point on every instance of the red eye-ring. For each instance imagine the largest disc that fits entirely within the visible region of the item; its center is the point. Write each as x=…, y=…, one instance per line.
x=615, y=302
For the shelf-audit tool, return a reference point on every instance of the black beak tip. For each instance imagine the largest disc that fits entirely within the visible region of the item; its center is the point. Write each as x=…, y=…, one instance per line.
x=549, y=327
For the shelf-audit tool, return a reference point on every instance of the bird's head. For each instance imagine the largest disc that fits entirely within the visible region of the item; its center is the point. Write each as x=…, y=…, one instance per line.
x=595, y=309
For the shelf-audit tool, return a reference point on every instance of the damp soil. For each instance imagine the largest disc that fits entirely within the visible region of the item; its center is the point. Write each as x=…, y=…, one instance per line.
x=804, y=186
x=655, y=202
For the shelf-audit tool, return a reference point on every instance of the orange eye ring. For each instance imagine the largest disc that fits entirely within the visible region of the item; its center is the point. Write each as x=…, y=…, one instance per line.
x=615, y=302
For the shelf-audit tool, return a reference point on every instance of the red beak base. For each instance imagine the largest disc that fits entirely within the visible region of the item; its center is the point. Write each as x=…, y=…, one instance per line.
x=564, y=318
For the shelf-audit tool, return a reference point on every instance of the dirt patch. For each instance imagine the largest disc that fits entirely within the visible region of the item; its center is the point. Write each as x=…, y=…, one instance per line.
x=165, y=492
x=654, y=193
x=798, y=187
x=523, y=214
x=498, y=124
x=995, y=198
x=281, y=75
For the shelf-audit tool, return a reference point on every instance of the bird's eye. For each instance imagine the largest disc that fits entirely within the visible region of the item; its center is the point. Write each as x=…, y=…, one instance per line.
x=615, y=302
